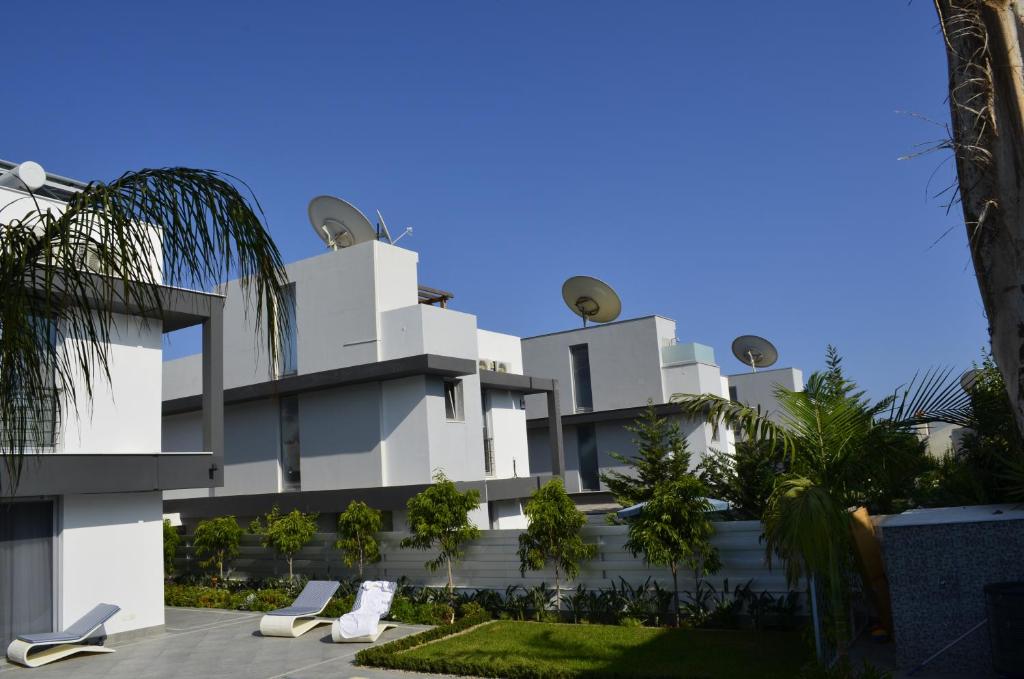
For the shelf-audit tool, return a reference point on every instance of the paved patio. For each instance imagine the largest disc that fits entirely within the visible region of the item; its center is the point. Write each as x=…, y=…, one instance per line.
x=198, y=643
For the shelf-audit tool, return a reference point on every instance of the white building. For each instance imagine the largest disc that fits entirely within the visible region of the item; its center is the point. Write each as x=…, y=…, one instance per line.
x=609, y=374
x=376, y=389
x=757, y=389
x=83, y=525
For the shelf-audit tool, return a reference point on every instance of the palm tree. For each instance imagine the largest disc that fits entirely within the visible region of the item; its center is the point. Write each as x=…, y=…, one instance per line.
x=65, y=272
x=826, y=439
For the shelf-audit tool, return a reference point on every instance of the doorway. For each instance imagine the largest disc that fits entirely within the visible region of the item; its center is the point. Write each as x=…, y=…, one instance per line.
x=26, y=562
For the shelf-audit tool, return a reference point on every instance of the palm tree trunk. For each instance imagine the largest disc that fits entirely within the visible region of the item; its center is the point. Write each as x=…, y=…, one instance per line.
x=291, y=576
x=986, y=100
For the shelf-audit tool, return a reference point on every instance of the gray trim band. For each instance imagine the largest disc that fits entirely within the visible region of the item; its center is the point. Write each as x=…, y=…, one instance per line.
x=59, y=474
x=397, y=368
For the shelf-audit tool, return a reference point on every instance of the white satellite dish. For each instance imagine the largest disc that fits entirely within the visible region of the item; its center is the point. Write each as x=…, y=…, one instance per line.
x=969, y=379
x=757, y=352
x=338, y=223
x=591, y=299
x=29, y=174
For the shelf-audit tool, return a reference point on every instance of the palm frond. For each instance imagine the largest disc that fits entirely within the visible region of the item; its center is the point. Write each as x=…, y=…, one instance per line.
x=806, y=527
x=72, y=271
x=751, y=422
x=934, y=396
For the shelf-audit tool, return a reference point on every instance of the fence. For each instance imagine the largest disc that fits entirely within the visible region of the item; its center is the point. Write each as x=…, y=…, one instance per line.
x=491, y=561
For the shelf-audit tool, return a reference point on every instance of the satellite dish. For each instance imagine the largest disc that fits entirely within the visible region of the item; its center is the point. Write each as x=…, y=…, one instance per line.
x=591, y=299
x=757, y=352
x=339, y=223
x=28, y=175
x=969, y=379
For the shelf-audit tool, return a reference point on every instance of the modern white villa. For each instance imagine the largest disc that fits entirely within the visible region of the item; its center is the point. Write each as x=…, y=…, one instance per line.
x=83, y=525
x=608, y=375
x=379, y=385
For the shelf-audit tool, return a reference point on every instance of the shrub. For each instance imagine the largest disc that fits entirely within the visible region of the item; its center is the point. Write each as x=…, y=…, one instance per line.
x=472, y=609
x=286, y=534
x=171, y=542
x=217, y=540
x=358, y=526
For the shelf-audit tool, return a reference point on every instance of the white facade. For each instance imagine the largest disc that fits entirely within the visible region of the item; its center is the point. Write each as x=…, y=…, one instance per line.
x=89, y=497
x=757, y=389
x=631, y=364
x=357, y=308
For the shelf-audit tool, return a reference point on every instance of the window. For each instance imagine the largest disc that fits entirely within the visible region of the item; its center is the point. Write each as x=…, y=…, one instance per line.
x=453, y=410
x=586, y=447
x=291, y=459
x=732, y=394
x=287, y=344
x=583, y=398
x=486, y=404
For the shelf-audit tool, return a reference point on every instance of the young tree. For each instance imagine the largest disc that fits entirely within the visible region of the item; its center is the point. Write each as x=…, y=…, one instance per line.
x=673, y=530
x=217, y=540
x=662, y=455
x=171, y=542
x=286, y=534
x=48, y=258
x=439, y=519
x=553, y=535
x=358, y=526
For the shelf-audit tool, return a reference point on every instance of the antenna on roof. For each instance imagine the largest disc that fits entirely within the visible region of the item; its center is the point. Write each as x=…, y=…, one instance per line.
x=591, y=299
x=338, y=223
x=757, y=352
x=382, y=229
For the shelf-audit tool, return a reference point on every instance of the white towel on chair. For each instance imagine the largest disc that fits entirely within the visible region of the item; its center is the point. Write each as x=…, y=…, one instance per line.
x=372, y=603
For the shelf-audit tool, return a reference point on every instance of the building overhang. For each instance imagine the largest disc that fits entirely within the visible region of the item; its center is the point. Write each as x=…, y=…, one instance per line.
x=523, y=384
x=379, y=371
x=662, y=409
x=85, y=473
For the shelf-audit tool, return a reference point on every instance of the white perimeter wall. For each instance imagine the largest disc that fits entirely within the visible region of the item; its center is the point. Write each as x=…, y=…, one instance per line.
x=111, y=551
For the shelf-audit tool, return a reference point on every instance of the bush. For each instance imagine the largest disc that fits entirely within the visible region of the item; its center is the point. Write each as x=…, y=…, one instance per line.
x=197, y=597
x=472, y=609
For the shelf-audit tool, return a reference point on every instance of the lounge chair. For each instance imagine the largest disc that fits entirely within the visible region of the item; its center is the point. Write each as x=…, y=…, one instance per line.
x=33, y=650
x=362, y=624
x=301, y=616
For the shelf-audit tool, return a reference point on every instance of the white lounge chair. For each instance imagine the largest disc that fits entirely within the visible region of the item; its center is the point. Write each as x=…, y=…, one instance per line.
x=33, y=650
x=362, y=624
x=301, y=616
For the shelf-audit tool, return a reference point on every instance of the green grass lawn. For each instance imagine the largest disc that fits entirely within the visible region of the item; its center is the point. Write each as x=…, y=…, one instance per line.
x=514, y=648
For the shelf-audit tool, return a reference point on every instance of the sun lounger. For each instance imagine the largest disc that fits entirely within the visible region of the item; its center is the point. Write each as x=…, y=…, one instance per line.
x=301, y=616
x=373, y=601
x=33, y=650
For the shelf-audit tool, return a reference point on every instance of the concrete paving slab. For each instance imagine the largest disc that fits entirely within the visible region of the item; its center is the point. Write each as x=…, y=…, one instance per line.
x=218, y=644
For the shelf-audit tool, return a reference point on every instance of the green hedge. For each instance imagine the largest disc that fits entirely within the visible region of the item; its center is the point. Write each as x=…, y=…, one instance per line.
x=388, y=655
x=268, y=599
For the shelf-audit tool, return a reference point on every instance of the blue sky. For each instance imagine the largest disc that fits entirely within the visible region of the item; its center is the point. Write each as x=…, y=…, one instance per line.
x=730, y=167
